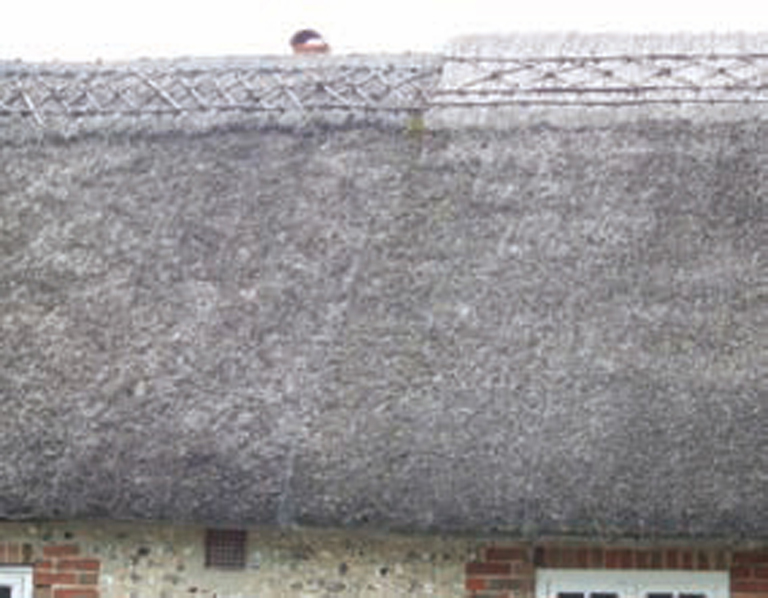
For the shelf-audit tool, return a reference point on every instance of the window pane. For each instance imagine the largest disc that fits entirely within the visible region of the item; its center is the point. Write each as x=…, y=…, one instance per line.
x=603, y=595
x=693, y=596
x=661, y=595
x=570, y=595
x=5, y=592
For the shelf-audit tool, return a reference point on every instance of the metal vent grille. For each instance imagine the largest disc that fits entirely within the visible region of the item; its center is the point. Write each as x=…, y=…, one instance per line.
x=225, y=549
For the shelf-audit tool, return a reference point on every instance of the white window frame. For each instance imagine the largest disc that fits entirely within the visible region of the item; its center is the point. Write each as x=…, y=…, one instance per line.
x=631, y=583
x=19, y=579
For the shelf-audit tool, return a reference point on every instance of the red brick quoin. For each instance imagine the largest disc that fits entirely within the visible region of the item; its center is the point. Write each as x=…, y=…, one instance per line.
x=749, y=574
x=65, y=573
x=502, y=572
x=59, y=570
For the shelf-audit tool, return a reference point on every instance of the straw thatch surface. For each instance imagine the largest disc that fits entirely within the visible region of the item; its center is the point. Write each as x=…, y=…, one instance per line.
x=539, y=330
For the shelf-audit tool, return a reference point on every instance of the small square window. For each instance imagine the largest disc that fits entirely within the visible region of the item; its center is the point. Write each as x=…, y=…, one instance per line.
x=225, y=549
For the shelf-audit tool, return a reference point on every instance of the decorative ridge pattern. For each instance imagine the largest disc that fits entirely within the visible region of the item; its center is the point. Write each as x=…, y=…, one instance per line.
x=271, y=89
x=606, y=80
x=356, y=86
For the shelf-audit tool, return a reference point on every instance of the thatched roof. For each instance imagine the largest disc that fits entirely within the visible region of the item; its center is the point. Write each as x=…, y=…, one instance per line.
x=541, y=329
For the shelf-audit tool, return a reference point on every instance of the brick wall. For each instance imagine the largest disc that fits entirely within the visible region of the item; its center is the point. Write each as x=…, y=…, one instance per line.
x=501, y=572
x=58, y=570
x=509, y=571
x=749, y=574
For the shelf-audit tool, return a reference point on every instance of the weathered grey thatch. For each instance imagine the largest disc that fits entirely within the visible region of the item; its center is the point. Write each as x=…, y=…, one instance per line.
x=535, y=329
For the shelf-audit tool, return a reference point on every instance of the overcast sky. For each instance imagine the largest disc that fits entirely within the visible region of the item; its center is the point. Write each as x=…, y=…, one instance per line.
x=114, y=29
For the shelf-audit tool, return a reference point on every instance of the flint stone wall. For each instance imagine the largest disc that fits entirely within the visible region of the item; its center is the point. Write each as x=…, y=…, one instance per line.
x=162, y=561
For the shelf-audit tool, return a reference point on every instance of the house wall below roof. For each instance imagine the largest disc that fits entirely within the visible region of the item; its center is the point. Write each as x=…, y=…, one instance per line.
x=120, y=560
x=123, y=560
